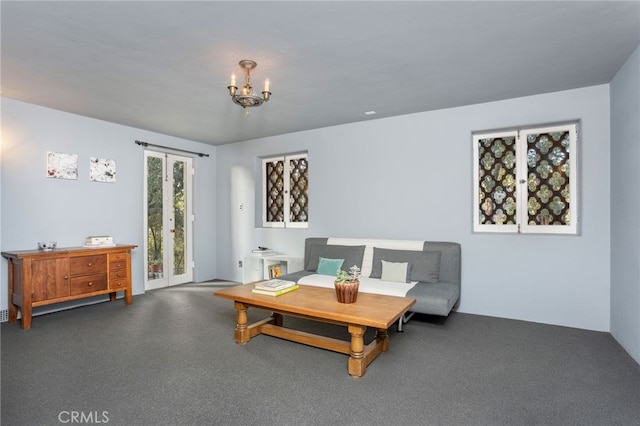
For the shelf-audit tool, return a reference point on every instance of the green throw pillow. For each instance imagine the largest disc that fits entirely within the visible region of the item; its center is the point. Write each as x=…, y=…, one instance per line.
x=329, y=266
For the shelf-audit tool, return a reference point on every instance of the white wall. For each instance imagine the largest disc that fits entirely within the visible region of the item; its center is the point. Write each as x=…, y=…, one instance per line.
x=625, y=206
x=411, y=177
x=36, y=208
x=401, y=177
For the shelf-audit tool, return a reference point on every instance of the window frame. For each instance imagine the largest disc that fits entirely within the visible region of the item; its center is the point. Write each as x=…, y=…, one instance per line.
x=286, y=223
x=522, y=191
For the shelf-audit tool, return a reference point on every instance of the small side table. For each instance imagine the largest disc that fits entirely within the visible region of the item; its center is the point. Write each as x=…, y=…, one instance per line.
x=256, y=266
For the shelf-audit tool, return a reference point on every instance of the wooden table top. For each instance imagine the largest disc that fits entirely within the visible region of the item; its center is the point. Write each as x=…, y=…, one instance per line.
x=66, y=251
x=371, y=310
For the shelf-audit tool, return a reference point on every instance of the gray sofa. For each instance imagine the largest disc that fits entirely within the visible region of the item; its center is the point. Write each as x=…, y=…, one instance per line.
x=437, y=270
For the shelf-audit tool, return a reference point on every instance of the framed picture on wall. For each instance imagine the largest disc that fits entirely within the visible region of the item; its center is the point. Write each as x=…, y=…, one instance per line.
x=102, y=170
x=62, y=166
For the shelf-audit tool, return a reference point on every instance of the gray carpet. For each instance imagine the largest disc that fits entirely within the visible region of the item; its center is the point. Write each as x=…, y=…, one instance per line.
x=170, y=359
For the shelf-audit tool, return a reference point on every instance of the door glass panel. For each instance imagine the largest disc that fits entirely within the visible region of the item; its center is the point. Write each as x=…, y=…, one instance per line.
x=169, y=220
x=179, y=218
x=154, y=218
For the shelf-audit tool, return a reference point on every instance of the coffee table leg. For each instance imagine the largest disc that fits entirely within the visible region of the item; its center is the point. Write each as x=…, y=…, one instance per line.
x=241, y=334
x=277, y=319
x=383, y=339
x=357, y=366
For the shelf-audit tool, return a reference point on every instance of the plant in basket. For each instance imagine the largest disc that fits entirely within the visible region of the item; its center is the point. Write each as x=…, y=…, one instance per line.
x=347, y=284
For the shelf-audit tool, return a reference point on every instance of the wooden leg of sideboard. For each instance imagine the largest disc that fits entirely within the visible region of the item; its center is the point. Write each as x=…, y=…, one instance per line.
x=13, y=309
x=25, y=321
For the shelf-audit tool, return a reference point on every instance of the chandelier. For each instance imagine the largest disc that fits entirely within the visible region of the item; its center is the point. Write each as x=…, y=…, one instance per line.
x=246, y=97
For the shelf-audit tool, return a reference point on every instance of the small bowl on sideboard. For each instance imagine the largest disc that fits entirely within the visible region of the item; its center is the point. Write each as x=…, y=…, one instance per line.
x=47, y=245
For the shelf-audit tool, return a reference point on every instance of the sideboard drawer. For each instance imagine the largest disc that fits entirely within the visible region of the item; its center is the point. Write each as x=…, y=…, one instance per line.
x=117, y=257
x=88, y=284
x=87, y=264
x=120, y=274
x=118, y=284
x=118, y=266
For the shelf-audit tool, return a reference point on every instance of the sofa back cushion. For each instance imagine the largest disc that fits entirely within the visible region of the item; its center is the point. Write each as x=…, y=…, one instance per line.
x=369, y=244
x=352, y=255
x=450, y=260
x=425, y=265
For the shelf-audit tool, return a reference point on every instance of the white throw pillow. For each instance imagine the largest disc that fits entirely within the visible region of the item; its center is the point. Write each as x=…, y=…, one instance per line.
x=395, y=271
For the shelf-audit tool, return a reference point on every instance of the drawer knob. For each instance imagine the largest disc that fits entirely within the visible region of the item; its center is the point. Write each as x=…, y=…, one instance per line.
x=89, y=264
x=90, y=283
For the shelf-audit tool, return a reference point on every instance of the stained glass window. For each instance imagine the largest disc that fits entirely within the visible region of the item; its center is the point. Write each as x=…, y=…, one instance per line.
x=275, y=191
x=286, y=191
x=526, y=180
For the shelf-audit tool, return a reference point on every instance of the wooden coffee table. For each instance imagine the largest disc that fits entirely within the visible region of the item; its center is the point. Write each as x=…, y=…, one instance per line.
x=320, y=304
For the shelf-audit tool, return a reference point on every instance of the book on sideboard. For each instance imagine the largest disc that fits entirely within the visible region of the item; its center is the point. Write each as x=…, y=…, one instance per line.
x=275, y=293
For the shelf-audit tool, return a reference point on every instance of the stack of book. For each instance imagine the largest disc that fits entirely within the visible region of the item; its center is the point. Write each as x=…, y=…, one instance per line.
x=99, y=241
x=274, y=287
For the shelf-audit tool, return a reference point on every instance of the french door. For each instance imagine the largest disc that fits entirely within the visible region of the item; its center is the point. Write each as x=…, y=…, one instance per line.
x=168, y=219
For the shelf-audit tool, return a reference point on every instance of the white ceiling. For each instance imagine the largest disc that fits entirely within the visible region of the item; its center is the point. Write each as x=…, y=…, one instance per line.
x=165, y=66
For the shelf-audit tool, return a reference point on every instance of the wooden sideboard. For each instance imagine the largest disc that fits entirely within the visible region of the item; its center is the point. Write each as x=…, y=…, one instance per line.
x=38, y=278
